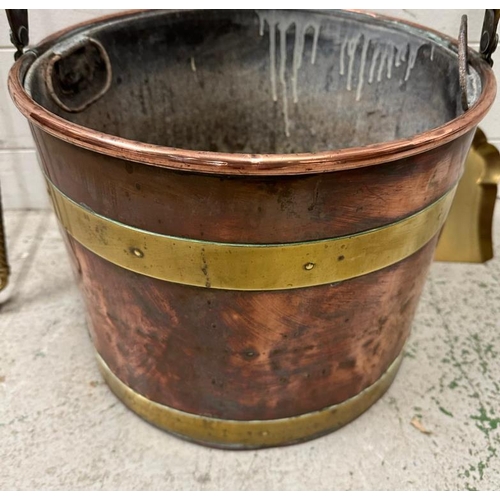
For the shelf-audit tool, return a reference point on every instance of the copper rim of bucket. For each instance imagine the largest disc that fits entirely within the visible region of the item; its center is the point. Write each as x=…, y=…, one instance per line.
x=241, y=163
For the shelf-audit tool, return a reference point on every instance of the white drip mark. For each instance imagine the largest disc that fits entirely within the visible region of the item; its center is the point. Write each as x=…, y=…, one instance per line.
x=193, y=65
x=315, y=43
x=282, y=29
x=366, y=43
x=412, y=57
x=390, y=60
x=404, y=50
x=399, y=55
x=383, y=59
x=281, y=22
x=352, y=45
x=342, y=56
x=272, y=57
x=375, y=56
x=387, y=52
x=298, y=51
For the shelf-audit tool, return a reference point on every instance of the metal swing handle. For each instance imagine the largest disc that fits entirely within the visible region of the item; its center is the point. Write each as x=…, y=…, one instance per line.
x=489, y=36
x=19, y=29
x=488, y=44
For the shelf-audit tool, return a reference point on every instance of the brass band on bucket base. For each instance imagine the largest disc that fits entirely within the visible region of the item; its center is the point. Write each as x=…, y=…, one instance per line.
x=249, y=267
x=241, y=434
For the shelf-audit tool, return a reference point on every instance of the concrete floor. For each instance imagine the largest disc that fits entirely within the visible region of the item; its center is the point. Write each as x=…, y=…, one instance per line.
x=61, y=428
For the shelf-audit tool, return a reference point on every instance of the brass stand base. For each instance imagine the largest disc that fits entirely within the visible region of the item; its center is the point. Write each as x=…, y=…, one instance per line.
x=241, y=434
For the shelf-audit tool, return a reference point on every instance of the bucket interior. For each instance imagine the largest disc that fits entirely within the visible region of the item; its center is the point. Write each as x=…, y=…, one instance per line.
x=251, y=81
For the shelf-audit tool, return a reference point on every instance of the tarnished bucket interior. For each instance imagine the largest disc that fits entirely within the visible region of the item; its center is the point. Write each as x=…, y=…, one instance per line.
x=251, y=201
x=252, y=82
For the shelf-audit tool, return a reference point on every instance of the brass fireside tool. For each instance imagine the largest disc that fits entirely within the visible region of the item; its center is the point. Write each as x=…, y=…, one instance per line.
x=467, y=233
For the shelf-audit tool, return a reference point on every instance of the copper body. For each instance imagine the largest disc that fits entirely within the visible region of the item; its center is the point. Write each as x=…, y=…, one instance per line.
x=250, y=355
x=302, y=350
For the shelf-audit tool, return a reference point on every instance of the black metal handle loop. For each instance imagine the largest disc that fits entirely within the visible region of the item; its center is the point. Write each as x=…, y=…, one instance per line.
x=19, y=36
x=463, y=63
x=489, y=37
x=19, y=29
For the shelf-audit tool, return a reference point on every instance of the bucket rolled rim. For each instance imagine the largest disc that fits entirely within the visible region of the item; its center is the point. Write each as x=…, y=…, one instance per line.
x=246, y=163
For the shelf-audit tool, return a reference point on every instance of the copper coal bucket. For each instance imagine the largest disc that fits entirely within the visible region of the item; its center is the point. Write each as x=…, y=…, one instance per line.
x=251, y=201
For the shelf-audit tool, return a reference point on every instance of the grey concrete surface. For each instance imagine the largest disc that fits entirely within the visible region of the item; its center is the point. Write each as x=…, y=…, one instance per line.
x=61, y=428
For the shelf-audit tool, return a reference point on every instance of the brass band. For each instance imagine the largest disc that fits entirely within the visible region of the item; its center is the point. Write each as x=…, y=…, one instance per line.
x=252, y=433
x=249, y=267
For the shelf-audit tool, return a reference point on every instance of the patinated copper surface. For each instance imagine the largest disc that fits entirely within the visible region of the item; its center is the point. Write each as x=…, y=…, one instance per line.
x=237, y=209
x=250, y=267
x=302, y=350
x=250, y=355
x=249, y=434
